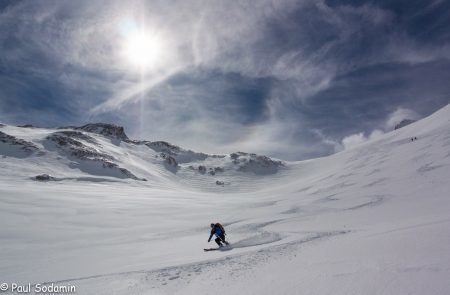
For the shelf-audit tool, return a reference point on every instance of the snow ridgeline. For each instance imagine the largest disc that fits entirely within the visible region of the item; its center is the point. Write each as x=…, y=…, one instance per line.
x=105, y=150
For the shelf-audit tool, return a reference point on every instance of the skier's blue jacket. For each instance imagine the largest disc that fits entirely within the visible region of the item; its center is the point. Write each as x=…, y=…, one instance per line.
x=216, y=230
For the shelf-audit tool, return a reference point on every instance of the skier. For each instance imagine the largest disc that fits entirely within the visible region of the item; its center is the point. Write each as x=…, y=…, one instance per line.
x=218, y=230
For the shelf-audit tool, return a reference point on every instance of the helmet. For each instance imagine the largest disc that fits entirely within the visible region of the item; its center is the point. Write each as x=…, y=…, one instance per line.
x=212, y=224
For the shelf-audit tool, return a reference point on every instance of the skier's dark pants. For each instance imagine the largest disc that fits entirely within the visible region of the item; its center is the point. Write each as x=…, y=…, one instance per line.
x=219, y=239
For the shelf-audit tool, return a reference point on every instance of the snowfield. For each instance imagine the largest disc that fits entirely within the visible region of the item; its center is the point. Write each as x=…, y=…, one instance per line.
x=118, y=216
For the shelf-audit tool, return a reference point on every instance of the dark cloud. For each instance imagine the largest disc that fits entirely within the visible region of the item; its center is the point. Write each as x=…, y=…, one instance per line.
x=360, y=100
x=231, y=95
x=422, y=20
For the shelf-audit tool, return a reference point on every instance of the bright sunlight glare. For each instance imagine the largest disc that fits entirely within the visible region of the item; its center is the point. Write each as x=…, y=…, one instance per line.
x=142, y=50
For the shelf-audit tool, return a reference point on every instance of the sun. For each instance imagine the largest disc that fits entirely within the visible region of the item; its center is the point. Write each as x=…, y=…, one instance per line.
x=142, y=49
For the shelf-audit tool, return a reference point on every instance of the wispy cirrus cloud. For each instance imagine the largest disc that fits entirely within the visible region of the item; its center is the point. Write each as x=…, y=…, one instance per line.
x=288, y=78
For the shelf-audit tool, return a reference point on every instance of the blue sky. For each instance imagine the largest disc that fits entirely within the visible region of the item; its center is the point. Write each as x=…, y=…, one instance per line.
x=290, y=79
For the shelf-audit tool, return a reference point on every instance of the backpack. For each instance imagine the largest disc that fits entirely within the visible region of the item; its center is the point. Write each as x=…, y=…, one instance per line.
x=221, y=227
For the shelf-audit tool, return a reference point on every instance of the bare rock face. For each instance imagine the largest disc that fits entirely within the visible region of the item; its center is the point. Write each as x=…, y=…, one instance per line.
x=44, y=177
x=76, y=148
x=78, y=135
x=256, y=164
x=123, y=171
x=218, y=182
x=87, y=158
x=171, y=164
x=108, y=130
x=202, y=169
x=235, y=156
x=218, y=169
x=164, y=147
x=15, y=147
x=179, y=154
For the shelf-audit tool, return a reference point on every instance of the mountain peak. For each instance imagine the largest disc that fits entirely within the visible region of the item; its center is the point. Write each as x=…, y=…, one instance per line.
x=109, y=130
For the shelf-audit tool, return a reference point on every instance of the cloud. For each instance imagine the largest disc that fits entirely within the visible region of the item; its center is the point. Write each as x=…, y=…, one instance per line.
x=136, y=91
x=359, y=138
x=399, y=115
x=286, y=78
x=391, y=121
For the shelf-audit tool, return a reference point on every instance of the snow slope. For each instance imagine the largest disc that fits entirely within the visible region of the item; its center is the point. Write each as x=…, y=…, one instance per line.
x=370, y=220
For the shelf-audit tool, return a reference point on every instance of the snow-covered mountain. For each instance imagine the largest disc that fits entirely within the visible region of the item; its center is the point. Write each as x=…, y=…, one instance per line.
x=103, y=152
x=120, y=216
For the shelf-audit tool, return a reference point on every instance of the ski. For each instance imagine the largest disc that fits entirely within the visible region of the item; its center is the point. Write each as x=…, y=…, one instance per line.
x=223, y=248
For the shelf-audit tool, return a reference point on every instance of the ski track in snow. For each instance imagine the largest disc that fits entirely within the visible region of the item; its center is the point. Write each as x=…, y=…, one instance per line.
x=239, y=263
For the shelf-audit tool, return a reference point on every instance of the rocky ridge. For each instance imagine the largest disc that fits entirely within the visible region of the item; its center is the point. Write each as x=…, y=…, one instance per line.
x=84, y=150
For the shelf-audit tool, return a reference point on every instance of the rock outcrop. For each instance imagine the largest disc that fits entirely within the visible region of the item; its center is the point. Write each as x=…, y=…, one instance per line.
x=179, y=154
x=87, y=158
x=255, y=163
x=44, y=177
x=15, y=147
x=108, y=130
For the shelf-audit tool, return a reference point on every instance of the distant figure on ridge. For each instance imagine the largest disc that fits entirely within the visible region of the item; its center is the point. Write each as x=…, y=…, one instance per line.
x=218, y=230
